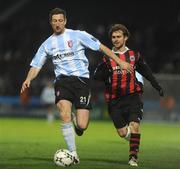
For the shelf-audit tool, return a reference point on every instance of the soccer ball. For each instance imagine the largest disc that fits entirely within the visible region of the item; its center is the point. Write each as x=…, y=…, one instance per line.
x=63, y=158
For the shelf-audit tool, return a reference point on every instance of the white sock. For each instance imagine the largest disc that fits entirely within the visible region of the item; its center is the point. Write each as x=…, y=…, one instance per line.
x=74, y=153
x=69, y=136
x=128, y=134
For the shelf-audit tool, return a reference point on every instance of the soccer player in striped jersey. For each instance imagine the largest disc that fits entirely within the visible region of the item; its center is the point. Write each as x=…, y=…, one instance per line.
x=66, y=48
x=123, y=90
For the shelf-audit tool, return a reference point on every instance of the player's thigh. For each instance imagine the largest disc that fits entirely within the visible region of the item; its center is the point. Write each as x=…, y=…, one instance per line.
x=63, y=90
x=134, y=108
x=117, y=116
x=136, y=111
x=82, y=93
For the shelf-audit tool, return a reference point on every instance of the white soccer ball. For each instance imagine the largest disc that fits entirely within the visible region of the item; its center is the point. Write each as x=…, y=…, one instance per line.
x=63, y=158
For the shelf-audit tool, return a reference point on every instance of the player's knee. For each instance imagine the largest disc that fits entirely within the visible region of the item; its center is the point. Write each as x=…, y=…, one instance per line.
x=135, y=127
x=122, y=132
x=65, y=117
x=65, y=112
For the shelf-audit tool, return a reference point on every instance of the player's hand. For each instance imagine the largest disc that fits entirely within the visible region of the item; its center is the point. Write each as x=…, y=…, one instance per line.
x=161, y=92
x=25, y=85
x=128, y=67
x=158, y=88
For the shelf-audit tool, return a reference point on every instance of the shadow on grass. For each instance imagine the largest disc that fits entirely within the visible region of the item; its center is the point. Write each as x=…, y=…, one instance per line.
x=105, y=161
x=83, y=159
x=33, y=158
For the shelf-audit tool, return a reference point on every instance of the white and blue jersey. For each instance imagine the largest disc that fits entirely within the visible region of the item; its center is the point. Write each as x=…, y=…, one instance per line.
x=67, y=52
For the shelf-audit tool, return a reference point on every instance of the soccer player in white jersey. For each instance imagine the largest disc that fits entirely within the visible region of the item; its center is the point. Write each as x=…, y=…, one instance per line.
x=66, y=48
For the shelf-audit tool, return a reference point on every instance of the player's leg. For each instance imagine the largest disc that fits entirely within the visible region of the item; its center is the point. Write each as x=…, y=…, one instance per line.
x=82, y=105
x=64, y=107
x=118, y=116
x=134, y=143
x=133, y=136
x=135, y=116
x=82, y=121
x=67, y=127
x=124, y=132
x=64, y=100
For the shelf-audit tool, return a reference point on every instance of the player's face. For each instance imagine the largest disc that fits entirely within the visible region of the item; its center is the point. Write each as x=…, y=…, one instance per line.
x=58, y=23
x=118, y=40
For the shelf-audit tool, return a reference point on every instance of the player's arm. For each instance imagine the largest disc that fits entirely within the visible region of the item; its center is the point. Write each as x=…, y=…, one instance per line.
x=102, y=72
x=33, y=72
x=122, y=64
x=143, y=68
x=36, y=64
x=94, y=44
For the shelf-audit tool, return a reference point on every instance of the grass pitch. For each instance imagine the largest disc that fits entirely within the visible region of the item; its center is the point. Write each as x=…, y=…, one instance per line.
x=31, y=144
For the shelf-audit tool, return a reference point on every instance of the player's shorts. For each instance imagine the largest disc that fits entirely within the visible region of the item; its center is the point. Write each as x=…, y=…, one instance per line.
x=74, y=89
x=126, y=109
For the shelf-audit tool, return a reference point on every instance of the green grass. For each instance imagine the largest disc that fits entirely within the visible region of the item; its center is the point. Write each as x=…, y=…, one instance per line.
x=31, y=144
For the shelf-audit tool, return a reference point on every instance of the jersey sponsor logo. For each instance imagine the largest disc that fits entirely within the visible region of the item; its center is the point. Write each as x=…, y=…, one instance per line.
x=70, y=43
x=118, y=70
x=132, y=58
x=60, y=56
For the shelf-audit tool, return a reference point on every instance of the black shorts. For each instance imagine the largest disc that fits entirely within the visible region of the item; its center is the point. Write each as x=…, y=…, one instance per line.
x=126, y=109
x=74, y=89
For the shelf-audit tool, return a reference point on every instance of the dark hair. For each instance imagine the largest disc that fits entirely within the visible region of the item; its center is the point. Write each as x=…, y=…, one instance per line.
x=117, y=27
x=57, y=11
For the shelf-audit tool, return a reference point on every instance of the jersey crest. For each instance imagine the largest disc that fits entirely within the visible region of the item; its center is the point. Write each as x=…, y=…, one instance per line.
x=132, y=58
x=70, y=43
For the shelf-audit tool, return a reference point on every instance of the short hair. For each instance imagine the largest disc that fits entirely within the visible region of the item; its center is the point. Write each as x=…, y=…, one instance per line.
x=117, y=27
x=57, y=11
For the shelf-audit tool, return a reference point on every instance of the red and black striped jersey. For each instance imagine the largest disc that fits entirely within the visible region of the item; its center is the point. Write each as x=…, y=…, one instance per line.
x=120, y=82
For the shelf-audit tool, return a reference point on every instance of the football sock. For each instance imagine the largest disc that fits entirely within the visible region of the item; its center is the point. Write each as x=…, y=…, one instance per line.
x=134, y=145
x=69, y=136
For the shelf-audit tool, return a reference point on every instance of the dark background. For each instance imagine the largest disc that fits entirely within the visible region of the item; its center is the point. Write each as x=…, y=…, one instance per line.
x=24, y=25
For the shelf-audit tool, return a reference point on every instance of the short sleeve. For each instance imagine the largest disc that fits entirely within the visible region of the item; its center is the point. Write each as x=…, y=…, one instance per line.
x=88, y=40
x=39, y=58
